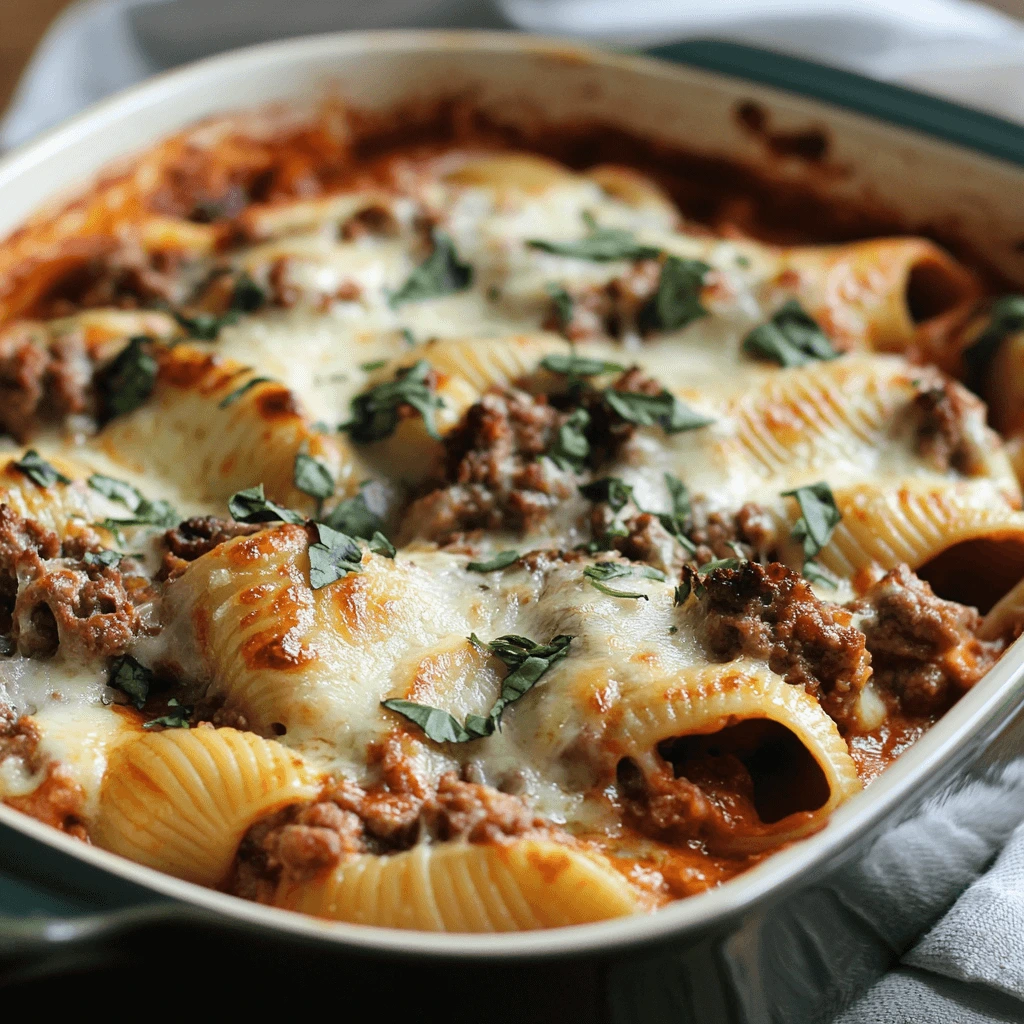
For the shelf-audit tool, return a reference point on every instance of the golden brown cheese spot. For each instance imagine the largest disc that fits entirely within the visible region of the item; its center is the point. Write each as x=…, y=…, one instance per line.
x=277, y=404
x=284, y=646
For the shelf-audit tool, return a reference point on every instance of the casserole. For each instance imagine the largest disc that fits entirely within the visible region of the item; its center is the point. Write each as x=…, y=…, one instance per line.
x=587, y=87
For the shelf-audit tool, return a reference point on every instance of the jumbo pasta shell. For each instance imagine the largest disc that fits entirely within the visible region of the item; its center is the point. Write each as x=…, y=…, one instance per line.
x=463, y=887
x=181, y=800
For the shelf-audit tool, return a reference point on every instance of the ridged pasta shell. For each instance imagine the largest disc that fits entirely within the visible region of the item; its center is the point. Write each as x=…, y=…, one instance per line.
x=186, y=434
x=706, y=700
x=53, y=506
x=463, y=887
x=511, y=172
x=181, y=800
x=886, y=294
x=978, y=535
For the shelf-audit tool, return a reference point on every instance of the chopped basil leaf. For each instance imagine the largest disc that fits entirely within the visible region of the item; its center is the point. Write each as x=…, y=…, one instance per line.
x=334, y=556
x=817, y=573
x=677, y=300
x=354, y=517
x=131, y=678
x=791, y=338
x=528, y=661
x=440, y=273
x=408, y=337
x=235, y=395
x=683, y=591
x=380, y=545
x=562, y=302
x=1006, y=317
x=599, y=574
x=147, y=513
x=129, y=379
x=438, y=725
x=102, y=557
x=611, y=490
x=312, y=477
x=663, y=410
x=375, y=364
x=176, y=718
x=117, y=490
x=253, y=506
x=720, y=563
x=502, y=560
x=38, y=470
x=676, y=520
x=248, y=296
x=573, y=365
x=570, y=448
x=375, y=413
x=601, y=245
x=819, y=516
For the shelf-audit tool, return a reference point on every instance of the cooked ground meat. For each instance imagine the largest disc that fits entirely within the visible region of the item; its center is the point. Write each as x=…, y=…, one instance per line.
x=42, y=379
x=611, y=309
x=126, y=277
x=749, y=533
x=491, y=477
x=87, y=610
x=348, y=820
x=372, y=220
x=17, y=536
x=19, y=737
x=771, y=612
x=924, y=650
x=201, y=534
x=942, y=435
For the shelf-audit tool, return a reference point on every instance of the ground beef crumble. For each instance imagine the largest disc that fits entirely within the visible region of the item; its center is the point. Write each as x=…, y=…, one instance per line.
x=771, y=612
x=42, y=379
x=18, y=536
x=924, y=650
x=348, y=820
x=608, y=310
x=943, y=438
x=491, y=477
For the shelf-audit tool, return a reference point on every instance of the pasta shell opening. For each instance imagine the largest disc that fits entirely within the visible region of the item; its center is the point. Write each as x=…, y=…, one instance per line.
x=978, y=571
x=784, y=775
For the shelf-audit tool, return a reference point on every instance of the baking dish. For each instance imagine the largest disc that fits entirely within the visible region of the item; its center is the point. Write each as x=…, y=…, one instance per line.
x=809, y=927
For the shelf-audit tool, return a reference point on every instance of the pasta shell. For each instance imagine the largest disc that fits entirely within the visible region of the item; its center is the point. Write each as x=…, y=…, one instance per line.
x=199, y=431
x=181, y=800
x=462, y=887
x=707, y=700
x=963, y=537
x=511, y=172
x=886, y=294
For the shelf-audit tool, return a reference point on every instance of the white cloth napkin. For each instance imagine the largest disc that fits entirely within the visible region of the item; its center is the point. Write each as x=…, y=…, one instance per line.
x=969, y=967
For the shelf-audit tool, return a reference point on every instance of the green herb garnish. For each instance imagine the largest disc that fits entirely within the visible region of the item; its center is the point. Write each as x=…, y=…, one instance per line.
x=354, y=517
x=375, y=413
x=819, y=516
x=570, y=448
x=441, y=273
x=677, y=300
x=38, y=470
x=562, y=301
x=791, y=338
x=600, y=573
x=663, y=410
x=611, y=490
x=335, y=555
x=1006, y=317
x=253, y=506
x=131, y=678
x=117, y=490
x=102, y=557
x=720, y=563
x=176, y=718
x=601, y=245
x=374, y=364
x=312, y=477
x=572, y=365
x=502, y=560
x=380, y=545
x=129, y=379
x=235, y=395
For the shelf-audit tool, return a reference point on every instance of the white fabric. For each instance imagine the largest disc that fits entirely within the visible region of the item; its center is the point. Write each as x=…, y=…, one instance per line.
x=969, y=967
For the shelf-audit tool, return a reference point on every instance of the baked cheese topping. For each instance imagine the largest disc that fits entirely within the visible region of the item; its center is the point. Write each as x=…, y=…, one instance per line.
x=485, y=520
